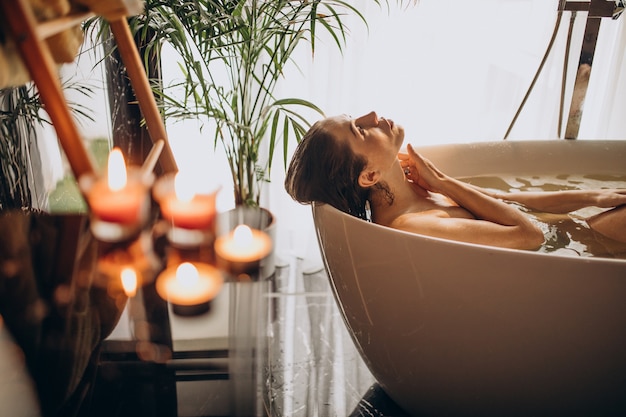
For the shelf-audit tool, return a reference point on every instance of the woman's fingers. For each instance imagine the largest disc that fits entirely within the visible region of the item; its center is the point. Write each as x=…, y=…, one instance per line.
x=611, y=198
x=405, y=160
x=412, y=155
x=417, y=159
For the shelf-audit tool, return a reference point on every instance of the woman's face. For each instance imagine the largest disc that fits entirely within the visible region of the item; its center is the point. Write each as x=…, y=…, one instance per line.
x=376, y=138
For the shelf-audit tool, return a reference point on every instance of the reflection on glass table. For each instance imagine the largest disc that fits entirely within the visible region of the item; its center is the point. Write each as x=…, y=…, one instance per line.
x=308, y=365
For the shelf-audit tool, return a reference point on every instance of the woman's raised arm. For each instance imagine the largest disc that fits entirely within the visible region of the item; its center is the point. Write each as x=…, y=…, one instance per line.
x=566, y=201
x=498, y=223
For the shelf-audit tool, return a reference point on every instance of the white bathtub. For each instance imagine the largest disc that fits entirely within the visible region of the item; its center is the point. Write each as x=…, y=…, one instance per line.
x=456, y=329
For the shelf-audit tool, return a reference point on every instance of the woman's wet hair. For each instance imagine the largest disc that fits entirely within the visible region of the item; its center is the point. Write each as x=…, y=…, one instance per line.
x=325, y=169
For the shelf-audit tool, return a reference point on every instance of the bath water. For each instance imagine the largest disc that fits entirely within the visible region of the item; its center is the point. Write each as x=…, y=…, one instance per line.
x=566, y=234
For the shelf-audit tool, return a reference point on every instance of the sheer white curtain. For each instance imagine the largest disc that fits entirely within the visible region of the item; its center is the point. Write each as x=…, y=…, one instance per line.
x=454, y=71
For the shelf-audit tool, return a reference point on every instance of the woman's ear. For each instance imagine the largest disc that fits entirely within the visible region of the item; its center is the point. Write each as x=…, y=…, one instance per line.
x=368, y=178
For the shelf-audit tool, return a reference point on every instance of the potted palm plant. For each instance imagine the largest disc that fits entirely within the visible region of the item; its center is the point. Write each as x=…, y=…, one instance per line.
x=232, y=54
x=21, y=176
x=19, y=115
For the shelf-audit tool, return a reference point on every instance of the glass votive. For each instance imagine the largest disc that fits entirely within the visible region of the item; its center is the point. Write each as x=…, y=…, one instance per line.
x=190, y=213
x=119, y=201
x=126, y=266
x=241, y=250
x=189, y=287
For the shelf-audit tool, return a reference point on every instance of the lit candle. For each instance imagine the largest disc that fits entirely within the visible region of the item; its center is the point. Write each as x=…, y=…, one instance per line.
x=182, y=205
x=243, y=248
x=118, y=198
x=189, y=287
x=129, y=281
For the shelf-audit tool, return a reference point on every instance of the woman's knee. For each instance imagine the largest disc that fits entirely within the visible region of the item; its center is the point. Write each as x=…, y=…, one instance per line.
x=611, y=223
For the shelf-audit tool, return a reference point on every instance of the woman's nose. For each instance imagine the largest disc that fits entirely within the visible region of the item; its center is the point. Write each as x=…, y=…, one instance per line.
x=370, y=119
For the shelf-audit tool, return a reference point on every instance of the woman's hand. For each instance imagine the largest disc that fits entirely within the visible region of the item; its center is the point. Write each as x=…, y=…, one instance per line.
x=495, y=222
x=610, y=198
x=421, y=171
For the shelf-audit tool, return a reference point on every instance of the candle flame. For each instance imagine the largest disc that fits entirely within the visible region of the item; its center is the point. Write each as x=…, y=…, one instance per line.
x=242, y=235
x=184, y=187
x=129, y=281
x=187, y=274
x=116, y=170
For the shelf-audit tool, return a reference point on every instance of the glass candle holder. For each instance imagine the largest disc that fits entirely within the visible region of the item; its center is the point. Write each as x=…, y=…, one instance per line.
x=243, y=246
x=189, y=287
x=190, y=214
x=117, y=213
x=241, y=250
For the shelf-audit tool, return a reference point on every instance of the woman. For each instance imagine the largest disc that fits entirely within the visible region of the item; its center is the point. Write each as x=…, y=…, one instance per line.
x=351, y=163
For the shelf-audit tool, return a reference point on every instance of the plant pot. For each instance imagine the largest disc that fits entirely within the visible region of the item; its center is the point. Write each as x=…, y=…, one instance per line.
x=249, y=315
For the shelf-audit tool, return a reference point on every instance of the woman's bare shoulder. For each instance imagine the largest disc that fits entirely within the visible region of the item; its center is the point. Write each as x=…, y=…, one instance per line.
x=418, y=221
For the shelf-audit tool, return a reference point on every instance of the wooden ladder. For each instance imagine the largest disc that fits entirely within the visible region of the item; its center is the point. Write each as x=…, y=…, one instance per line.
x=29, y=35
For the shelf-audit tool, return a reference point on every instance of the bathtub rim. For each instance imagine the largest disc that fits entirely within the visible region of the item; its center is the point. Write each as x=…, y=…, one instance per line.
x=527, y=157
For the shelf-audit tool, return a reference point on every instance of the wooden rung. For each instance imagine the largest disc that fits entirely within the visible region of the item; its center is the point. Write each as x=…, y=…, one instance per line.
x=20, y=25
x=50, y=28
x=141, y=86
x=29, y=35
x=151, y=160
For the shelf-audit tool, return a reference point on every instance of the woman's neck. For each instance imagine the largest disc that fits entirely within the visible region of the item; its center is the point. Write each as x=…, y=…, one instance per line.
x=405, y=197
